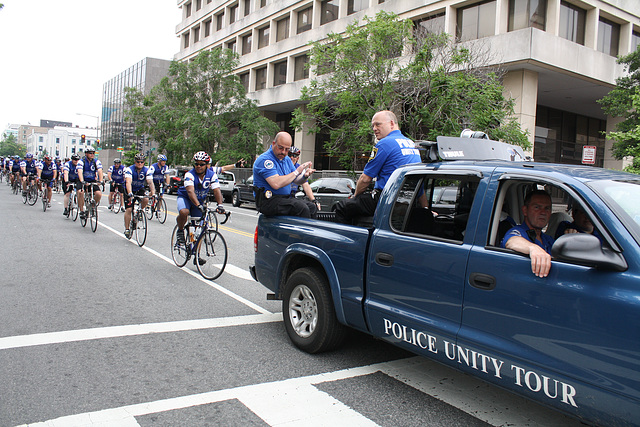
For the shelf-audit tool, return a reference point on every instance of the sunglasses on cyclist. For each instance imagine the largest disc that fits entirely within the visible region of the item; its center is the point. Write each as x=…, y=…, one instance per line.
x=200, y=164
x=140, y=161
x=294, y=155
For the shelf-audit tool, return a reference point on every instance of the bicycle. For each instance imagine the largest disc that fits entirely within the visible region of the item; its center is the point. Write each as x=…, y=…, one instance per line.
x=157, y=207
x=138, y=224
x=72, y=205
x=44, y=193
x=31, y=195
x=204, y=243
x=118, y=201
x=90, y=207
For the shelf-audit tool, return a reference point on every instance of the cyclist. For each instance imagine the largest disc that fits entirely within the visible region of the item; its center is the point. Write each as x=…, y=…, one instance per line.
x=159, y=174
x=115, y=174
x=69, y=179
x=135, y=179
x=89, y=171
x=27, y=171
x=58, y=163
x=15, y=169
x=47, y=171
x=195, y=191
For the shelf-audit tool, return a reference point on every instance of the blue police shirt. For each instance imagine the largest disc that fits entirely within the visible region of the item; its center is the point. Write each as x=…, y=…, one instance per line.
x=89, y=168
x=200, y=186
x=47, y=170
x=521, y=230
x=30, y=166
x=138, y=177
x=72, y=169
x=157, y=172
x=389, y=153
x=117, y=174
x=268, y=165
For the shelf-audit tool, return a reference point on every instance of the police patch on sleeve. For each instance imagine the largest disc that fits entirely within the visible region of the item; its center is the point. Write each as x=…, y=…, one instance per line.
x=268, y=164
x=373, y=153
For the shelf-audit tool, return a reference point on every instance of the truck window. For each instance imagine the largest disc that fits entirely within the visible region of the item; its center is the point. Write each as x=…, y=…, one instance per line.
x=435, y=206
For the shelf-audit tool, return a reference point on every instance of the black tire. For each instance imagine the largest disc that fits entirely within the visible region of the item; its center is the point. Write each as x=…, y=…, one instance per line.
x=213, y=250
x=93, y=216
x=309, y=315
x=148, y=211
x=141, y=228
x=161, y=211
x=32, y=195
x=74, y=210
x=179, y=253
x=235, y=199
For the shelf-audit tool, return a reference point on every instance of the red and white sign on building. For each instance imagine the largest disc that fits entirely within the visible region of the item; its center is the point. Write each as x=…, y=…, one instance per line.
x=589, y=154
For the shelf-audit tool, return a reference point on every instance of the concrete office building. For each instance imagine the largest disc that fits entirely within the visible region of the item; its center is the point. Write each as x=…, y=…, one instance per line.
x=560, y=55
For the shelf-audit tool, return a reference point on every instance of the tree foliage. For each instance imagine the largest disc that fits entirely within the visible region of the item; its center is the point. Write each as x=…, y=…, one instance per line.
x=435, y=87
x=201, y=105
x=9, y=146
x=624, y=101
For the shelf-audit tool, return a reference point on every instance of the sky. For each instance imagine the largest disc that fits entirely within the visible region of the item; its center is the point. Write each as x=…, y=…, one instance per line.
x=55, y=55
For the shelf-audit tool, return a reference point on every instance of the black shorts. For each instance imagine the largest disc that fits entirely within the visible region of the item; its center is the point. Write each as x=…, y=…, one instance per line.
x=115, y=185
x=67, y=186
x=128, y=201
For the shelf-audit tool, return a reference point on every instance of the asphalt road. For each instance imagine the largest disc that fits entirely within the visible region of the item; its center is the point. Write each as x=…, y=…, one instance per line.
x=95, y=330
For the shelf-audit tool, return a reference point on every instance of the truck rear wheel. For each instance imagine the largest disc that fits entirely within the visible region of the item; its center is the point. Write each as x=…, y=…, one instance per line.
x=309, y=314
x=235, y=199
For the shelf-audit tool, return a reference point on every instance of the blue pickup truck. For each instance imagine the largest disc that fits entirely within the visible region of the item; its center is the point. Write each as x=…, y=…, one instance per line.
x=441, y=286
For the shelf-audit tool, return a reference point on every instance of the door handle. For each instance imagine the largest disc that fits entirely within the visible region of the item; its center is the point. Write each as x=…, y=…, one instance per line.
x=482, y=281
x=384, y=259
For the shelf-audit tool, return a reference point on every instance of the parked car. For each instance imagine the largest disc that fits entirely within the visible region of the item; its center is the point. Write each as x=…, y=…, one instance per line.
x=243, y=192
x=176, y=178
x=329, y=191
x=227, y=182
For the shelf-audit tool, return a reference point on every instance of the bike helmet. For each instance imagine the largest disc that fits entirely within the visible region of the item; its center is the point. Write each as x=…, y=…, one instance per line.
x=140, y=157
x=294, y=151
x=116, y=160
x=47, y=158
x=162, y=157
x=28, y=156
x=89, y=149
x=75, y=157
x=201, y=156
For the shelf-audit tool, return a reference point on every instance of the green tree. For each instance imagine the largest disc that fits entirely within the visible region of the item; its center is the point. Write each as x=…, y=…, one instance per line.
x=9, y=146
x=201, y=105
x=624, y=101
x=441, y=89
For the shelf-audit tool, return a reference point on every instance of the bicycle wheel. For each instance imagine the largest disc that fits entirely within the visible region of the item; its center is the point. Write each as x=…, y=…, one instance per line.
x=161, y=211
x=212, y=220
x=141, y=228
x=117, y=201
x=211, y=255
x=44, y=203
x=83, y=218
x=179, y=253
x=25, y=196
x=74, y=207
x=148, y=211
x=93, y=216
x=32, y=195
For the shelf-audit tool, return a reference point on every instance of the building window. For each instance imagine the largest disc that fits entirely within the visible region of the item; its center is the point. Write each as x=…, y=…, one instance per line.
x=282, y=29
x=263, y=3
x=198, y=5
x=279, y=73
x=304, y=20
x=207, y=27
x=196, y=34
x=527, y=13
x=261, y=78
x=246, y=44
x=233, y=14
x=244, y=80
x=263, y=37
x=572, y=22
x=635, y=41
x=476, y=21
x=187, y=10
x=329, y=11
x=301, y=71
x=247, y=7
x=608, y=37
x=219, y=21
x=57, y=140
x=354, y=6
x=185, y=40
x=433, y=24
x=232, y=46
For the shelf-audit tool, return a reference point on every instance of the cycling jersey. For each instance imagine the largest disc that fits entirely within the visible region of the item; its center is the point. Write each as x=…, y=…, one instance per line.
x=15, y=166
x=47, y=170
x=157, y=172
x=138, y=177
x=201, y=187
x=89, y=168
x=72, y=169
x=30, y=166
x=117, y=174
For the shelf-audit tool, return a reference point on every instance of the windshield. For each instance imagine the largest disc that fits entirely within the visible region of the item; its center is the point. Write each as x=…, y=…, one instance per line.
x=623, y=197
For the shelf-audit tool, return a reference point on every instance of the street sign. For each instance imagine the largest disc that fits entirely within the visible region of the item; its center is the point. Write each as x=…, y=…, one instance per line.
x=589, y=154
x=120, y=150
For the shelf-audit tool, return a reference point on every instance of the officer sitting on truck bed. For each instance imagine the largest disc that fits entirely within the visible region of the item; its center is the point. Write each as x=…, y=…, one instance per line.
x=273, y=173
x=392, y=150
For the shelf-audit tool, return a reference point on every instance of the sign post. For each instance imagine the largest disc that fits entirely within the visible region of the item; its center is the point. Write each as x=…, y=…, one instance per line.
x=589, y=154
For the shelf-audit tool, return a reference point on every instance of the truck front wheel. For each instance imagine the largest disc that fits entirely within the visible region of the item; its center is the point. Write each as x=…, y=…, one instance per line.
x=235, y=199
x=309, y=314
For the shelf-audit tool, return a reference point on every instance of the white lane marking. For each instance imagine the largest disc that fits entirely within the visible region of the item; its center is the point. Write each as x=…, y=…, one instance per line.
x=131, y=330
x=296, y=401
x=196, y=275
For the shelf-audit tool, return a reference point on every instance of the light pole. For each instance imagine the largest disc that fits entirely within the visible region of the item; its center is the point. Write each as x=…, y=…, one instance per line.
x=97, y=123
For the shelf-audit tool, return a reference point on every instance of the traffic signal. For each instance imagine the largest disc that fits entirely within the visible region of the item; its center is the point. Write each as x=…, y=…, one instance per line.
x=82, y=138
x=98, y=141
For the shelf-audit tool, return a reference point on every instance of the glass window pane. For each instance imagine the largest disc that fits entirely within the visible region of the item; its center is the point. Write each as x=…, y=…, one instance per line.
x=261, y=78
x=282, y=31
x=301, y=71
x=280, y=73
x=608, y=37
x=354, y=6
x=572, y=22
x=263, y=37
x=304, y=20
x=329, y=11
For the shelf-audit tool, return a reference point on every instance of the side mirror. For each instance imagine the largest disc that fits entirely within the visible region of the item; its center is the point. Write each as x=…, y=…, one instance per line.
x=586, y=249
